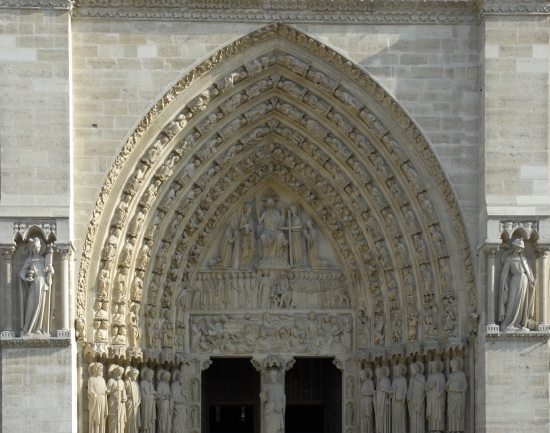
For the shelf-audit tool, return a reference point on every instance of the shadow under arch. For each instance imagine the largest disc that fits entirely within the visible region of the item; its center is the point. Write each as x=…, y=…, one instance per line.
x=167, y=126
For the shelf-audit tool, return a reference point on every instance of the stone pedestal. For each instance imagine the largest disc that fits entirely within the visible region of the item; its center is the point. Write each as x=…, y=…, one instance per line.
x=38, y=386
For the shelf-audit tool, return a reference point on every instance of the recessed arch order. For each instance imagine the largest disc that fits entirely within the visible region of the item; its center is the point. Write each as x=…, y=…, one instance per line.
x=275, y=114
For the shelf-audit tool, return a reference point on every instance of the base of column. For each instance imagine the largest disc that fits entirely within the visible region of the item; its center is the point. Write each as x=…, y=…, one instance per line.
x=543, y=327
x=65, y=333
x=6, y=335
x=493, y=329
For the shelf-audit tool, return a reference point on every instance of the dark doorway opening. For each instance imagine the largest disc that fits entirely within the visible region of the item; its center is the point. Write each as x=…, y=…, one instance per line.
x=313, y=388
x=231, y=388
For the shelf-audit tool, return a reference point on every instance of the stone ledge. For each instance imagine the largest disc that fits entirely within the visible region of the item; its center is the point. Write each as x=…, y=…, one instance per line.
x=518, y=336
x=36, y=4
x=35, y=342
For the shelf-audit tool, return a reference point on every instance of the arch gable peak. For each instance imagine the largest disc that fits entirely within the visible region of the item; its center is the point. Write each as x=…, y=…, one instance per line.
x=314, y=51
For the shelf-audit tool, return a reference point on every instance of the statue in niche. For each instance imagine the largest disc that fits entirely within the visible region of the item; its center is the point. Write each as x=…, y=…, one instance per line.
x=274, y=400
x=133, y=400
x=164, y=404
x=517, y=289
x=416, y=398
x=148, y=399
x=195, y=390
x=97, y=399
x=227, y=246
x=272, y=239
x=195, y=417
x=435, y=397
x=117, y=400
x=350, y=413
x=367, y=398
x=246, y=228
x=312, y=243
x=35, y=288
x=456, y=396
x=399, y=399
x=382, y=406
x=350, y=387
x=133, y=324
x=179, y=397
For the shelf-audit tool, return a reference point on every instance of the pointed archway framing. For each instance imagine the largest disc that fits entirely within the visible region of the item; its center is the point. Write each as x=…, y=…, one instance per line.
x=276, y=111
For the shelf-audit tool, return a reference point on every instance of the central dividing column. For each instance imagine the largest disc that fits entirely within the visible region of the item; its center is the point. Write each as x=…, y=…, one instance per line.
x=272, y=394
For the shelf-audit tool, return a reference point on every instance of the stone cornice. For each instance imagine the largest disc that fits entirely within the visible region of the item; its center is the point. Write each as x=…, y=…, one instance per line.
x=518, y=336
x=34, y=342
x=36, y=4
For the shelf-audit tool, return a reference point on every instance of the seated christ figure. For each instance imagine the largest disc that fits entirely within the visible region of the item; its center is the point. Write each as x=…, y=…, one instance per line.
x=272, y=240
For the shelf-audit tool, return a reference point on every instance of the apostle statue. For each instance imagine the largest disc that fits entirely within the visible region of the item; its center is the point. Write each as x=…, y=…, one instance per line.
x=148, y=399
x=164, y=402
x=416, y=398
x=97, y=399
x=116, y=393
x=133, y=400
x=246, y=228
x=517, y=289
x=435, y=397
x=35, y=288
x=179, y=397
x=456, y=396
x=367, y=397
x=274, y=400
x=399, y=399
x=382, y=406
x=272, y=239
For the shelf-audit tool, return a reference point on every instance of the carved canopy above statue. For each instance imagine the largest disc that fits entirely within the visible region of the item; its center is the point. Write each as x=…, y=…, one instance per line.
x=275, y=199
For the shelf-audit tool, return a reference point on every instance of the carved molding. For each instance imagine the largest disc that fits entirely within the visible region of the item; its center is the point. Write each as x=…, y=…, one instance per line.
x=35, y=342
x=518, y=336
x=36, y=4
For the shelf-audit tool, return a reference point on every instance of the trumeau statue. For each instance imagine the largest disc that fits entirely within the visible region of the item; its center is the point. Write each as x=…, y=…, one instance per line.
x=35, y=288
x=97, y=399
x=274, y=400
x=517, y=290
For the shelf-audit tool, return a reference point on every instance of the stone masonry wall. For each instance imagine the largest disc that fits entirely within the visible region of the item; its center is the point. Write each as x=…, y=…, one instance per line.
x=38, y=392
x=515, y=106
x=121, y=67
x=34, y=113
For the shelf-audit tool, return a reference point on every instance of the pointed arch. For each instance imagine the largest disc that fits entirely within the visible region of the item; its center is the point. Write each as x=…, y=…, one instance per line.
x=374, y=185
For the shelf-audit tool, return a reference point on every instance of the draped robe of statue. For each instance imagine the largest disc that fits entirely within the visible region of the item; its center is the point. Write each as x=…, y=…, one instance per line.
x=517, y=292
x=399, y=405
x=382, y=406
x=416, y=398
x=117, y=407
x=246, y=227
x=312, y=243
x=274, y=409
x=297, y=243
x=435, y=401
x=133, y=400
x=367, y=397
x=227, y=246
x=180, y=408
x=272, y=240
x=456, y=398
x=163, y=407
x=148, y=407
x=97, y=404
x=35, y=290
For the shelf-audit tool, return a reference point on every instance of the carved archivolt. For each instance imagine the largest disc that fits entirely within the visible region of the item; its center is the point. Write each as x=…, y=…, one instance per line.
x=297, y=119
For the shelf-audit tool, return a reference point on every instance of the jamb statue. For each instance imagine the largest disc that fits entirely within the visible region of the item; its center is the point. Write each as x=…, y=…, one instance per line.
x=274, y=400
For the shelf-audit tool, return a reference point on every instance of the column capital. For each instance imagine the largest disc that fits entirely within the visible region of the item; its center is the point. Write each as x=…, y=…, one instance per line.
x=491, y=251
x=64, y=251
x=281, y=362
x=542, y=251
x=7, y=250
